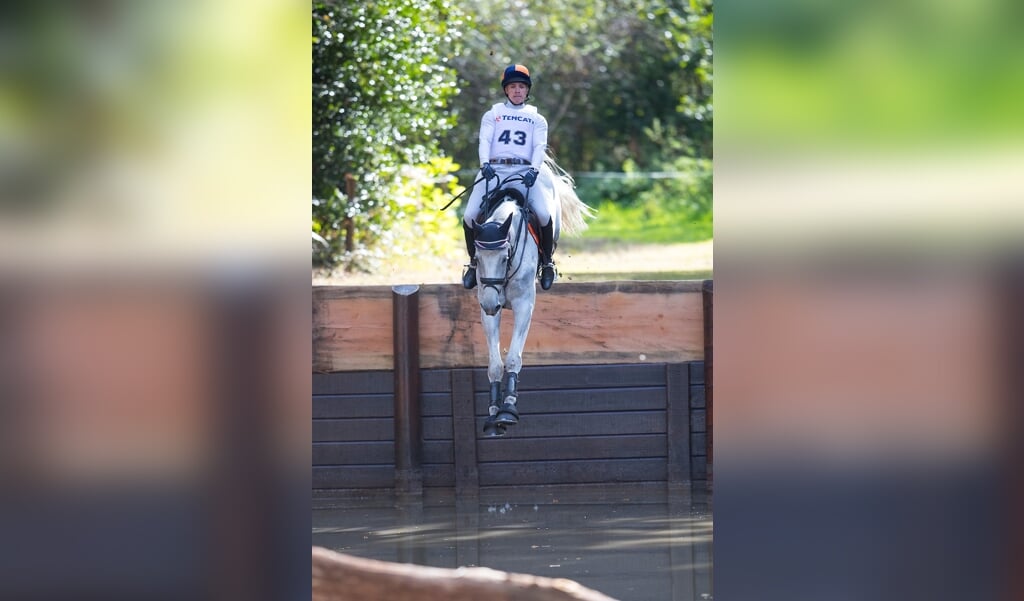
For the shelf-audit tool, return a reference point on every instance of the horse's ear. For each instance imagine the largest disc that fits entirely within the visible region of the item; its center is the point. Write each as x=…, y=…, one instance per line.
x=503, y=231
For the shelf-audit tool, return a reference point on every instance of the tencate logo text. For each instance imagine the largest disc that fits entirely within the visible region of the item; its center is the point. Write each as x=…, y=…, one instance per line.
x=499, y=118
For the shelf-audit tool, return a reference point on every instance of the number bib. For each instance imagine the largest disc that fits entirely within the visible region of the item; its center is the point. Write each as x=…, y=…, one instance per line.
x=515, y=132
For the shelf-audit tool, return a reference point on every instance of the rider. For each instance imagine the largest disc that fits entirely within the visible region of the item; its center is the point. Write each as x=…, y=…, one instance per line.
x=513, y=141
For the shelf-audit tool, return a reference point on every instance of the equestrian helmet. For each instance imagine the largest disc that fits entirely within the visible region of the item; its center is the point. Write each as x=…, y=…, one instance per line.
x=515, y=73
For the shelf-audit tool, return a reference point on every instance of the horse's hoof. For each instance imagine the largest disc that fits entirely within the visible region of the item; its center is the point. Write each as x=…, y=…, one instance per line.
x=507, y=415
x=492, y=428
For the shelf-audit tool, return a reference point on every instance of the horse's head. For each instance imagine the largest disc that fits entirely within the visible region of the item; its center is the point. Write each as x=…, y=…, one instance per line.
x=493, y=255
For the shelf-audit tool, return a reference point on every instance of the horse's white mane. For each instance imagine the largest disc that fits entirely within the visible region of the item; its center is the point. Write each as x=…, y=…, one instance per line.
x=575, y=212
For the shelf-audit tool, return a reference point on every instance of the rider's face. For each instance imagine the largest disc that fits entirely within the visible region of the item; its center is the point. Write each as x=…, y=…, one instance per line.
x=517, y=92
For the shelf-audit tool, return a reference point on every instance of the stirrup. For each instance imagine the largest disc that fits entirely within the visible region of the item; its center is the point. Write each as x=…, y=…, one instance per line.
x=469, y=276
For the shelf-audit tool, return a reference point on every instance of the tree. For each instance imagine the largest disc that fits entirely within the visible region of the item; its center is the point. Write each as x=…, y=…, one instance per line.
x=381, y=83
x=604, y=70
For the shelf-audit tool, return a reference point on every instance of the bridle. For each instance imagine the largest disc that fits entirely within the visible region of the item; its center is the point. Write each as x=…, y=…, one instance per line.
x=511, y=244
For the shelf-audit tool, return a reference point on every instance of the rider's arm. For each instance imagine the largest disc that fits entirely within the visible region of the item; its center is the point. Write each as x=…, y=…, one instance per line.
x=540, y=142
x=486, y=133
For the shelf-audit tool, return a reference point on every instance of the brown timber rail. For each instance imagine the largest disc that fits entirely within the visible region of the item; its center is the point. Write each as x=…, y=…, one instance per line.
x=612, y=390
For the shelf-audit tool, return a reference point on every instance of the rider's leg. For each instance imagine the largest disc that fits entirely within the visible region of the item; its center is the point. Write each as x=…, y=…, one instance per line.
x=542, y=202
x=547, y=249
x=468, y=218
x=469, y=277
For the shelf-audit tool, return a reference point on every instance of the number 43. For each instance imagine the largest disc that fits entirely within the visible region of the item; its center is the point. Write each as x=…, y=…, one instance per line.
x=506, y=137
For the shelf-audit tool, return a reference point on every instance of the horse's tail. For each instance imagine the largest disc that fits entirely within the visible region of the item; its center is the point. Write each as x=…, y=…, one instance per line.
x=575, y=212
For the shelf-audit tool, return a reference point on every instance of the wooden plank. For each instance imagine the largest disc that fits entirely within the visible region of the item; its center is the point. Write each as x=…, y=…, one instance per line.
x=350, y=430
x=572, y=472
x=697, y=399
x=634, y=493
x=699, y=468
x=358, y=382
x=351, y=328
x=438, y=475
x=464, y=431
x=561, y=377
x=375, y=382
x=589, y=424
x=696, y=372
x=574, y=323
x=363, y=453
x=698, y=444
x=436, y=380
x=581, y=447
x=354, y=476
x=677, y=392
x=376, y=405
x=698, y=421
x=593, y=400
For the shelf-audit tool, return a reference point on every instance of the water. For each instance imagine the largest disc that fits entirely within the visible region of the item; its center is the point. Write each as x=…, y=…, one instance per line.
x=653, y=547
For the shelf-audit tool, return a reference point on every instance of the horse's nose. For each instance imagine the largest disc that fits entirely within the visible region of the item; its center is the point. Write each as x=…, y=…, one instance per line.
x=492, y=310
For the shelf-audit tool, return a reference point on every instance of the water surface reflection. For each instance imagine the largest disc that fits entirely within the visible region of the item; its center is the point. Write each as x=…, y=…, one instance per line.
x=655, y=548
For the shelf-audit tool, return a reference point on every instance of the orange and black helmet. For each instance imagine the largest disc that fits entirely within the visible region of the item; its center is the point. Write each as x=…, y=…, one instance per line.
x=515, y=73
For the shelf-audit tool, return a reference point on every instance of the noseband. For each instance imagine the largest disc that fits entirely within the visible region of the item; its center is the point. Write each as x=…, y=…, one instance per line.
x=497, y=245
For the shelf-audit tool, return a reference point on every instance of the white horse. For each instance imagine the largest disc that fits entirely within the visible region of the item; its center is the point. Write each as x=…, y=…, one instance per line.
x=507, y=263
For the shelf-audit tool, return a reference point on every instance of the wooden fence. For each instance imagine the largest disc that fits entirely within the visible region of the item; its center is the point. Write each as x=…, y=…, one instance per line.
x=612, y=389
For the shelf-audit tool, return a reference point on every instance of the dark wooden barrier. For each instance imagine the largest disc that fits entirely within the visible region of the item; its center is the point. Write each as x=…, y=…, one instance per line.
x=584, y=421
x=580, y=424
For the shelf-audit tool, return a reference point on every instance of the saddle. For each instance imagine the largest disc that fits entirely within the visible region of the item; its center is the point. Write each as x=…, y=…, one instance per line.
x=493, y=199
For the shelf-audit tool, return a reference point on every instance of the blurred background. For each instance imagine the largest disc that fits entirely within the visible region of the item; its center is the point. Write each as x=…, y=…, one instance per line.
x=868, y=281
x=154, y=417
x=157, y=161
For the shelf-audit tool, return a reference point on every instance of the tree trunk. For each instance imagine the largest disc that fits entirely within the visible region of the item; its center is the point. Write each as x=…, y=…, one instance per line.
x=338, y=577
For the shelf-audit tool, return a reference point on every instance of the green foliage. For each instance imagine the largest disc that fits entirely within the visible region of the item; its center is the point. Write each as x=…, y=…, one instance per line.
x=674, y=206
x=603, y=71
x=423, y=234
x=381, y=82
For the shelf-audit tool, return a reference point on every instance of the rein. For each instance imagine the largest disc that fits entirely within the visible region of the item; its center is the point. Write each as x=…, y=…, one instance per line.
x=460, y=194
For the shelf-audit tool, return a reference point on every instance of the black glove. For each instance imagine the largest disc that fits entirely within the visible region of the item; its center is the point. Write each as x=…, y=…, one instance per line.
x=530, y=177
x=487, y=171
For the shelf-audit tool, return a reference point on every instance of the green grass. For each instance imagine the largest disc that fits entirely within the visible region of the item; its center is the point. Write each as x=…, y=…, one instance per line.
x=646, y=224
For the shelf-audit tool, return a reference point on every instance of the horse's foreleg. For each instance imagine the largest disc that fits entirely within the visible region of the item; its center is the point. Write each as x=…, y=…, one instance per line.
x=514, y=362
x=492, y=328
x=514, y=359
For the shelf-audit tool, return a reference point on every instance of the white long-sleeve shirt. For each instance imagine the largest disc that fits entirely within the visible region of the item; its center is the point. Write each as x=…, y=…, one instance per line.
x=508, y=131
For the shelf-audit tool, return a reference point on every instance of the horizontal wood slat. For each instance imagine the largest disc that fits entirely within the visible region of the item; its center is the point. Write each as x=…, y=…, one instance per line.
x=330, y=430
x=377, y=476
x=587, y=424
x=375, y=405
x=354, y=476
x=588, y=323
x=572, y=472
x=560, y=377
x=375, y=382
x=579, y=447
x=539, y=402
x=357, y=453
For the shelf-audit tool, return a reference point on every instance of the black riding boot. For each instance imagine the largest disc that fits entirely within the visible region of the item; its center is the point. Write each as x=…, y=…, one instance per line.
x=547, y=249
x=469, y=277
